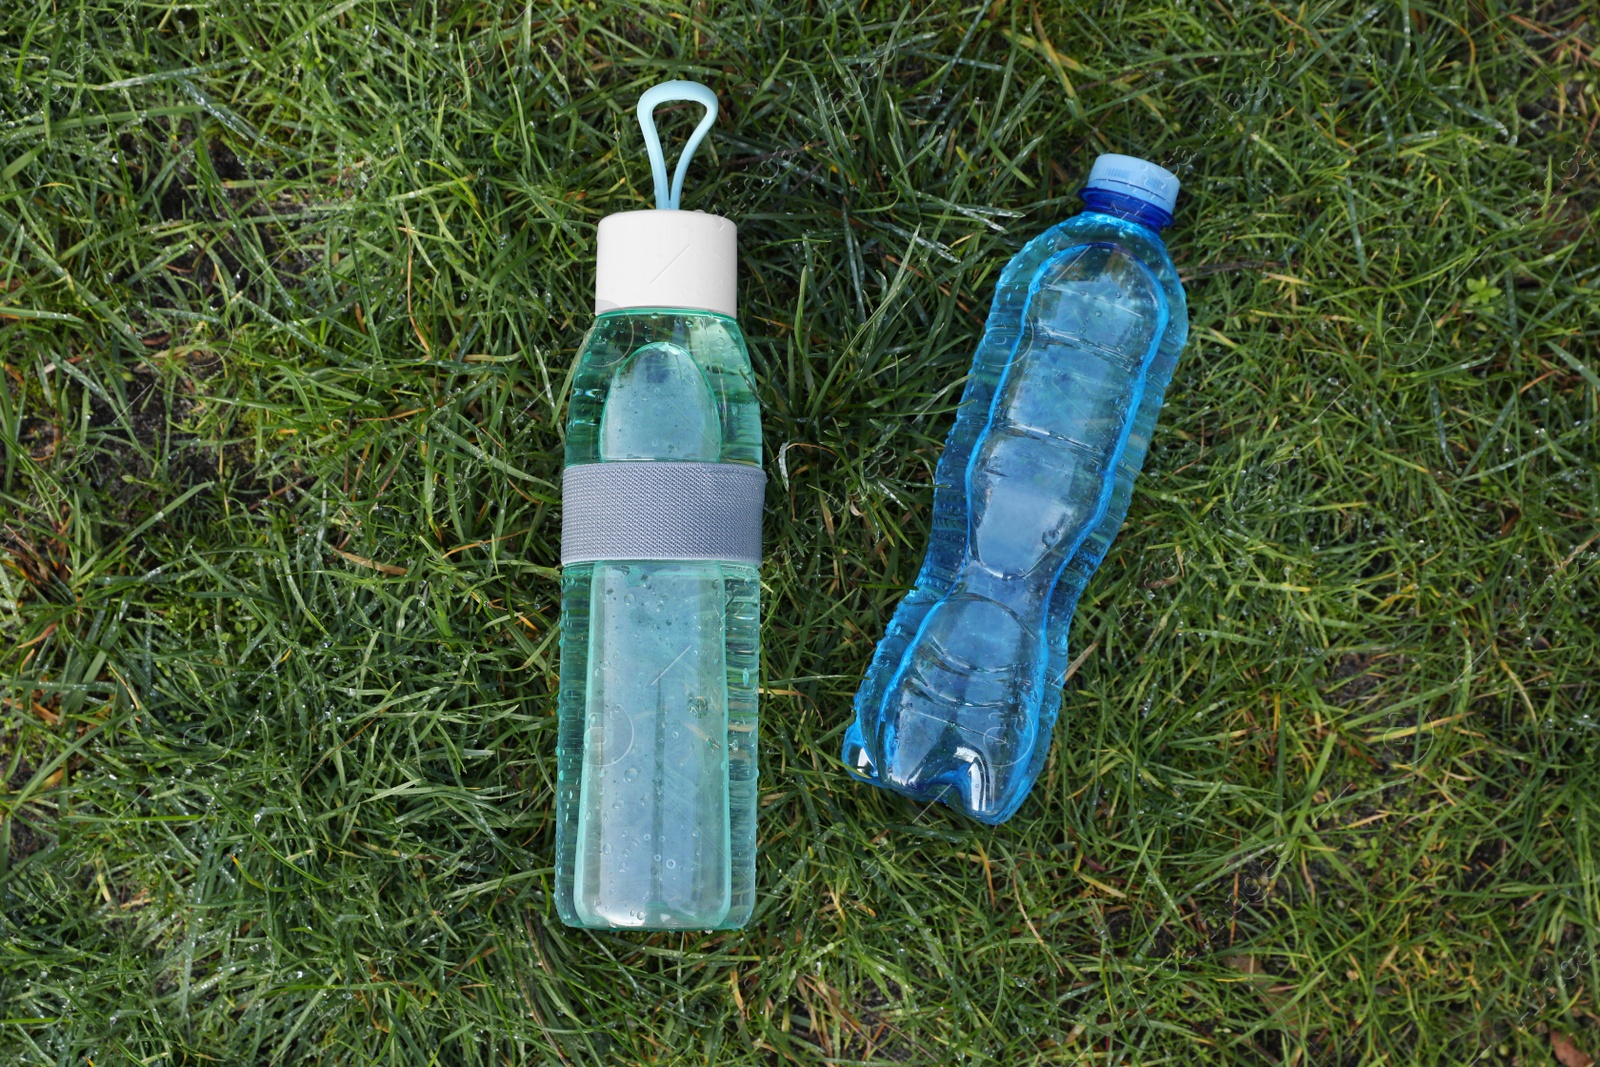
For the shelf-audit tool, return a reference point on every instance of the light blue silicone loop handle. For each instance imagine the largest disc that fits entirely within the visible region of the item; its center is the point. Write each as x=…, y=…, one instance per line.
x=667, y=197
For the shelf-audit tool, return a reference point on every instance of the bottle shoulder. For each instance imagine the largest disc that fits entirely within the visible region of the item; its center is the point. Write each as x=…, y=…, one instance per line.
x=1142, y=243
x=711, y=338
x=662, y=366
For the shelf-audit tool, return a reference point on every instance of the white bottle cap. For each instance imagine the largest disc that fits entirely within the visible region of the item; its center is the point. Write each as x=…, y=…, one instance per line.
x=1133, y=176
x=666, y=259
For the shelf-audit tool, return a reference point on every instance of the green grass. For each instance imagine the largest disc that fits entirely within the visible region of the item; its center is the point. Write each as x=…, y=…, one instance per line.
x=289, y=294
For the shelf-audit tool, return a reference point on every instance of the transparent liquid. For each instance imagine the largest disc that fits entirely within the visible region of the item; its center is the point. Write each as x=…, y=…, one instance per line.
x=656, y=771
x=1034, y=483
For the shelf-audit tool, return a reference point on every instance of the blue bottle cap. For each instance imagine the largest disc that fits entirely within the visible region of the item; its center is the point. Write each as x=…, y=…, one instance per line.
x=1132, y=176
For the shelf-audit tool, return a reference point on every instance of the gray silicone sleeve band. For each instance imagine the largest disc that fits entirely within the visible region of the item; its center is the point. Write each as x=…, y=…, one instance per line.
x=647, y=510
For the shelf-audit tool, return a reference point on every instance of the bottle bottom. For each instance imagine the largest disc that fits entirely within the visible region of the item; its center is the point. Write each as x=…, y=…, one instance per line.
x=617, y=914
x=956, y=717
x=955, y=788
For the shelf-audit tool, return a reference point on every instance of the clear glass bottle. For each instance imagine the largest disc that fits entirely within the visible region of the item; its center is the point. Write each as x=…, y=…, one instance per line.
x=660, y=585
x=656, y=778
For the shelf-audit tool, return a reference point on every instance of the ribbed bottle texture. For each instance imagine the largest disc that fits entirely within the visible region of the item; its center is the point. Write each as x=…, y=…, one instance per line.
x=1080, y=344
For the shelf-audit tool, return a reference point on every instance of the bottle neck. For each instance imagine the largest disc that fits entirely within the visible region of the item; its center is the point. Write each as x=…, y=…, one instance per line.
x=1131, y=208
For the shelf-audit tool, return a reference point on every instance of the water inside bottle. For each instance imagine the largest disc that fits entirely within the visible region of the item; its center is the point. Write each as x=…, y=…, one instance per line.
x=963, y=690
x=659, y=658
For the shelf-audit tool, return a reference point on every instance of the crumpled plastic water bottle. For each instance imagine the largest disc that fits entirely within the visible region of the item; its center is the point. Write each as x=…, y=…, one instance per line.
x=660, y=553
x=1086, y=327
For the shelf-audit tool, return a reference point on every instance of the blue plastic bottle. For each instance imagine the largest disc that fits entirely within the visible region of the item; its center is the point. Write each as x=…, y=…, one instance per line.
x=1081, y=341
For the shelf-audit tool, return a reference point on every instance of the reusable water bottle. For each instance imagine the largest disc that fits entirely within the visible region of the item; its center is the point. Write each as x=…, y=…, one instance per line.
x=660, y=549
x=1086, y=326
